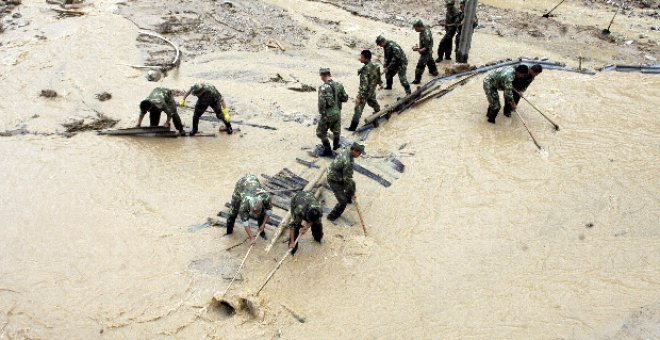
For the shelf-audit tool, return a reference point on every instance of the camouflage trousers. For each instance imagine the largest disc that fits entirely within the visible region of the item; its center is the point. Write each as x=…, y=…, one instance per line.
x=154, y=118
x=344, y=192
x=444, y=49
x=399, y=70
x=200, y=108
x=493, y=97
x=333, y=123
x=425, y=60
x=371, y=101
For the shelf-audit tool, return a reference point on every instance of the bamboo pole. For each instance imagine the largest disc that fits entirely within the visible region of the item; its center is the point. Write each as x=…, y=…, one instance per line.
x=287, y=218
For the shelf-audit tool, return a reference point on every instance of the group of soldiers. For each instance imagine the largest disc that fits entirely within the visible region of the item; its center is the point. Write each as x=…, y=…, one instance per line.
x=161, y=99
x=251, y=200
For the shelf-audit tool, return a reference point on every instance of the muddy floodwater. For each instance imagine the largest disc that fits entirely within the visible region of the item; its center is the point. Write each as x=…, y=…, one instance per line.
x=481, y=237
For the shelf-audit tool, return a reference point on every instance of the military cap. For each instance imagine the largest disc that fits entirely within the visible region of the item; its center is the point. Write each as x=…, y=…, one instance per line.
x=380, y=39
x=418, y=23
x=449, y=2
x=324, y=70
x=357, y=147
x=463, y=2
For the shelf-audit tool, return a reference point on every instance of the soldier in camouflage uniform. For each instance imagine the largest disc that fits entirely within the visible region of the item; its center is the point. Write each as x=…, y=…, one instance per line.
x=460, y=20
x=369, y=79
x=501, y=79
x=331, y=97
x=305, y=208
x=207, y=95
x=395, y=63
x=340, y=178
x=249, y=201
x=452, y=19
x=521, y=85
x=159, y=100
x=425, y=50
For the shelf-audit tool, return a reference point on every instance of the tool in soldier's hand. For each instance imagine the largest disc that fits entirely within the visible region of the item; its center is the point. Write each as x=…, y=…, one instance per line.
x=537, y=110
x=607, y=30
x=547, y=15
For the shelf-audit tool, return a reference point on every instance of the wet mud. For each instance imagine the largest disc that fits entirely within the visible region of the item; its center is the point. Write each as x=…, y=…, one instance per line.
x=478, y=235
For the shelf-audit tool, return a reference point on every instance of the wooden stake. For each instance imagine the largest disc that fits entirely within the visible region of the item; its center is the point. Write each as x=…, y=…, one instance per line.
x=270, y=276
x=530, y=132
x=357, y=207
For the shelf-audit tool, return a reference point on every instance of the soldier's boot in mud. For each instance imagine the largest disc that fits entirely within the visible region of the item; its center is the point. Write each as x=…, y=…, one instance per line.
x=336, y=212
x=491, y=115
x=327, y=150
x=407, y=89
x=335, y=143
x=230, y=225
x=418, y=76
x=388, y=83
x=354, y=124
x=195, y=126
x=230, y=130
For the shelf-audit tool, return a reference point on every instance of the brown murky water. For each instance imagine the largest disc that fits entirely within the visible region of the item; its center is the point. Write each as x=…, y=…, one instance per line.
x=482, y=236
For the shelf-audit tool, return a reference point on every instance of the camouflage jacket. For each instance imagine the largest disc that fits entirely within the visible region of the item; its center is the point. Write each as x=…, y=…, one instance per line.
x=394, y=56
x=341, y=168
x=453, y=17
x=369, y=79
x=331, y=96
x=426, y=40
x=249, y=187
x=302, y=203
x=205, y=91
x=521, y=84
x=502, y=79
x=163, y=96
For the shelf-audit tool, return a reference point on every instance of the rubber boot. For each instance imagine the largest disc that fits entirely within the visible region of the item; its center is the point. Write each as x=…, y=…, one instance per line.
x=407, y=89
x=195, y=126
x=327, y=151
x=388, y=85
x=353, y=126
x=230, y=225
x=335, y=143
x=491, y=115
x=336, y=212
x=418, y=78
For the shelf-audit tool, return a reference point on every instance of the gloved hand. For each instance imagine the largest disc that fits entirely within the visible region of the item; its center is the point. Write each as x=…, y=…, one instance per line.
x=225, y=114
x=182, y=102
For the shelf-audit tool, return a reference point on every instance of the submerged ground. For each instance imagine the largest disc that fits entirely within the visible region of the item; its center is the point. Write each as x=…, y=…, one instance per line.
x=481, y=236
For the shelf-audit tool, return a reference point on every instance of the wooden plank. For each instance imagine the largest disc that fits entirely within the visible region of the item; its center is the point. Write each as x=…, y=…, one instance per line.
x=134, y=131
x=364, y=171
x=307, y=163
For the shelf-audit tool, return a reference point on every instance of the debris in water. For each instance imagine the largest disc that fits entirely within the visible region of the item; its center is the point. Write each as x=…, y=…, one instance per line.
x=100, y=123
x=303, y=88
x=103, y=96
x=48, y=94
